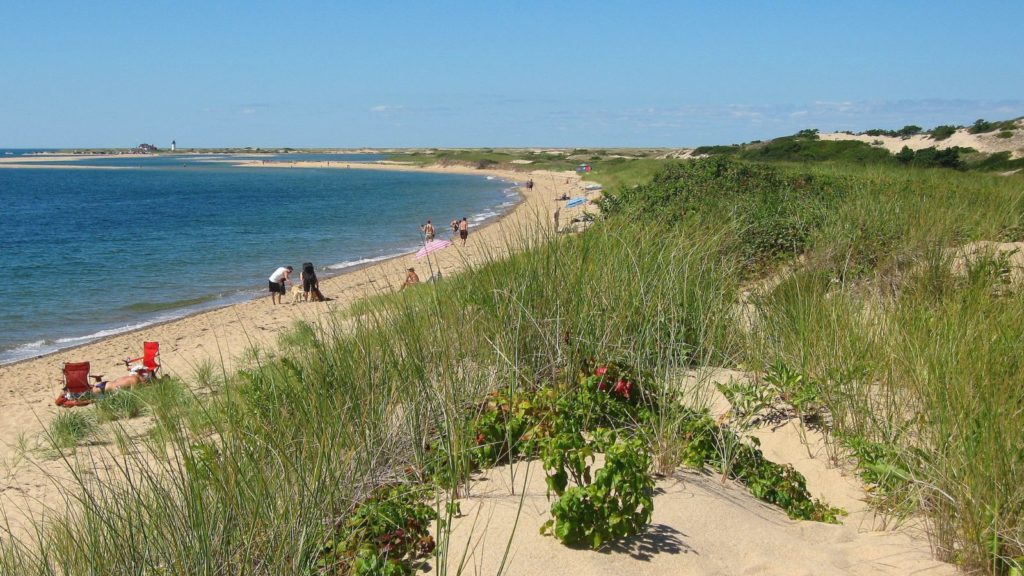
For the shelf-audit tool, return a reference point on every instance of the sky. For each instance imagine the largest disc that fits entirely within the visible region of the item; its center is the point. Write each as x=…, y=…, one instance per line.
x=521, y=73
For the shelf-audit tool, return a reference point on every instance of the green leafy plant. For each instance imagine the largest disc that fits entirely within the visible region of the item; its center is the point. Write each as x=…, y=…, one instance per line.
x=385, y=536
x=618, y=502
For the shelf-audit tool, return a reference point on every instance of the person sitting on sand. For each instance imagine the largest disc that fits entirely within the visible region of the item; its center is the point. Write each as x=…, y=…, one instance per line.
x=410, y=278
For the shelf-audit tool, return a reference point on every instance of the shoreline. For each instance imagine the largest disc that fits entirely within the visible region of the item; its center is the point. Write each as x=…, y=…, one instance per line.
x=240, y=295
x=223, y=338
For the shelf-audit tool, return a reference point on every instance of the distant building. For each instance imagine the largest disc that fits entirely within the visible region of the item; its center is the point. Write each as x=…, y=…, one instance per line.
x=174, y=145
x=145, y=149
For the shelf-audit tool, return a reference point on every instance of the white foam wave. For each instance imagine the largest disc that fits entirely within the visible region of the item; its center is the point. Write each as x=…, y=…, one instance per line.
x=103, y=333
x=359, y=262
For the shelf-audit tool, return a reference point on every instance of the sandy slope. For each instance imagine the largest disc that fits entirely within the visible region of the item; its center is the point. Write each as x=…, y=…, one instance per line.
x=988, y=143
x=700, y=525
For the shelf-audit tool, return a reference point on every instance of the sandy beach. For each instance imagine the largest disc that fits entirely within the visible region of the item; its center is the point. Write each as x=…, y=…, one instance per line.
x=221, y=336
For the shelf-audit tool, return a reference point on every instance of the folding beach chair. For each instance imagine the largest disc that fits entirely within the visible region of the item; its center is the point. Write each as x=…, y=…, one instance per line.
x=77, y=390
x=150, y=358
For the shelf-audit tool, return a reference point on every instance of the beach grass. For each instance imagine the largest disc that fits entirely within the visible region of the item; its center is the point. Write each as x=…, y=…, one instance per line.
x=851, y=286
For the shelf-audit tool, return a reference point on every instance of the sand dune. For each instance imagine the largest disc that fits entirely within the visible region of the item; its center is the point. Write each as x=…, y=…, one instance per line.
x=988, y=142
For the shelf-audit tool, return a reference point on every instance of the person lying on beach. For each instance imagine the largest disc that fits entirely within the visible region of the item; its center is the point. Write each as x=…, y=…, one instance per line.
x=410, y=278
x=138, y=375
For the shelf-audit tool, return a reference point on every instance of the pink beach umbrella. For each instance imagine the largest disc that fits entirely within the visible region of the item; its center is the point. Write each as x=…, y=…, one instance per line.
x=432, y=246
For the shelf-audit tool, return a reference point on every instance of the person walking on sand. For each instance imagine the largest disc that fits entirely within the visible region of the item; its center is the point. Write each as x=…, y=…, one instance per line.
x=277, y=282
x=428, y=231
x=463, y=230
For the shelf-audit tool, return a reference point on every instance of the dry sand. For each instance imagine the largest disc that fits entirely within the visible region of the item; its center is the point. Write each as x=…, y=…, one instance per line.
x=700, y=526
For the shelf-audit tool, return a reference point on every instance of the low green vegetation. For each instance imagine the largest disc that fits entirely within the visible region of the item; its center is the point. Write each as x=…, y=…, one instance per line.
x=333, y=454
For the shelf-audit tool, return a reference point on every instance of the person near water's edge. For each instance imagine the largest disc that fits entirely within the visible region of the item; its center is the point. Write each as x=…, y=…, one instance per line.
x=277, y=282
x=428, y=231
x=463, y=230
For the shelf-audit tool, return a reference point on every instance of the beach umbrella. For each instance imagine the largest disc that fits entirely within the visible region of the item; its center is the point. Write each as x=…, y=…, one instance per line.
x=575, y=202
x=432, y=246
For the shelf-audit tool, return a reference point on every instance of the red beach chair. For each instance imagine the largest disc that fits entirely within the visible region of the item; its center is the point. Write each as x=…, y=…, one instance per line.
x=150, y=357
x=77, y=390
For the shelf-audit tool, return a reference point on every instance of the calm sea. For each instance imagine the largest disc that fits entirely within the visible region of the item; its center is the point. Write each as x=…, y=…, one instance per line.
x=87, y=253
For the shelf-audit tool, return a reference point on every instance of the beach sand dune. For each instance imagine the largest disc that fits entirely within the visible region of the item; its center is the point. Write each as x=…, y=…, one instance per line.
x=700, y=526
x=988, y=143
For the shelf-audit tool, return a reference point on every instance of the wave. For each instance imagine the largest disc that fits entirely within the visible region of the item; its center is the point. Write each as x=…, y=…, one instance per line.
x=158, y=306
x=360, y=262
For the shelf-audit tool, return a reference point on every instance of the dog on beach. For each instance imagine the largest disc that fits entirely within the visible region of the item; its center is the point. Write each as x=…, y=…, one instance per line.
x=297, y=294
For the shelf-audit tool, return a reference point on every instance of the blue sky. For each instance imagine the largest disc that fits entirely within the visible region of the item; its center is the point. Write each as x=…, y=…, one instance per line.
x=525, y=73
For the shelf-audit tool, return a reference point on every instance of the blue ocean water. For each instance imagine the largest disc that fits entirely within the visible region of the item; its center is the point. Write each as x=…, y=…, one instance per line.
x=92, y=252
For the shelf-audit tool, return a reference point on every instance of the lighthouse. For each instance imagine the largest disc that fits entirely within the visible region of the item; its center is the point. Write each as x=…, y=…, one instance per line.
x=174, y=145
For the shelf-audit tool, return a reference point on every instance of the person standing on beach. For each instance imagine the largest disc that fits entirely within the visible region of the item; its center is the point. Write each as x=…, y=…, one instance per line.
x=463, y=230
x=310, y=285
x=428, y=231
x=277, y=282
x=455, y=228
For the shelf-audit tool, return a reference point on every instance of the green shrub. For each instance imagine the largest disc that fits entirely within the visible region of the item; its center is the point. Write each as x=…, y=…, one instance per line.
x=942, y=132
x=981, y=126
x=386, y=535
x=614, y=502
x=1005, y=134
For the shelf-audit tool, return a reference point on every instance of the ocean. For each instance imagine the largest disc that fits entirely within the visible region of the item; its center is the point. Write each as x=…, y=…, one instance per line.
x=90, y=253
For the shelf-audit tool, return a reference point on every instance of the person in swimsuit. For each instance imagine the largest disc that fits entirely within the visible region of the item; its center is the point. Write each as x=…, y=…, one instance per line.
x=428, y=231
x=138, y=375
x=463, y=230
x=410, y=279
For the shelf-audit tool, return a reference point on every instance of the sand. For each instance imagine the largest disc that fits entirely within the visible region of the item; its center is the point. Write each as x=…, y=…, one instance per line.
x=700, y=526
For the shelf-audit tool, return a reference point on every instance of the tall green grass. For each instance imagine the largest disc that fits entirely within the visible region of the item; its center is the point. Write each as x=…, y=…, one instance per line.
x=254, y=479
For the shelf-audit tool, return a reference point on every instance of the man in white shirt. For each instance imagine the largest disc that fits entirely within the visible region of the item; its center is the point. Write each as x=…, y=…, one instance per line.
x=277, y=284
